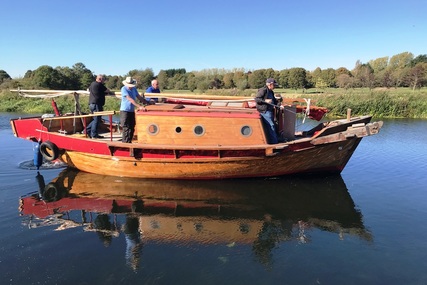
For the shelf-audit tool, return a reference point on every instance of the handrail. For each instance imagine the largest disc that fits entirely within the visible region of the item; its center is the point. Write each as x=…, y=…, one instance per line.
x=104, y=113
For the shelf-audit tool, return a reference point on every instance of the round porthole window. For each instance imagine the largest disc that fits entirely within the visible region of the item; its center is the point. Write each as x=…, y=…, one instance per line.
x=153, y=129
x=199, y=130
x=178, y=130
x=246, y=131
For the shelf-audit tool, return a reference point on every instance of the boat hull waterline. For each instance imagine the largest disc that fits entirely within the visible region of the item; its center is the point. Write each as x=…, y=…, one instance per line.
x=330, y=158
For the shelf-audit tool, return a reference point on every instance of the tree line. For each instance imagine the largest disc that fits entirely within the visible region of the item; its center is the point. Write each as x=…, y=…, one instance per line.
x=400, y=70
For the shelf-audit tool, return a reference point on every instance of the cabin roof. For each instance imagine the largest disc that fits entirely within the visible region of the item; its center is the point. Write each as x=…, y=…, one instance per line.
x=195, y=111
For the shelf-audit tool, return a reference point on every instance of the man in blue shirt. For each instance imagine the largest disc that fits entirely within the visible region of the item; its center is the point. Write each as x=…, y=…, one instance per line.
x=154, y=88
x=127, y=108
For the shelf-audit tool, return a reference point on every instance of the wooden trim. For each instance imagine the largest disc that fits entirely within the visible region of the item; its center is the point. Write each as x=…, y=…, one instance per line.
x=104, y=113
x=194, y=147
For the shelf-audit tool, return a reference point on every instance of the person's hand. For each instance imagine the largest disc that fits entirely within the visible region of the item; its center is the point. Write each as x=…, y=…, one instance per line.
x=268, y=101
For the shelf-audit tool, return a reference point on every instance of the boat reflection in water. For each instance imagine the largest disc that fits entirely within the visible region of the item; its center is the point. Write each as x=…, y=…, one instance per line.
x=261, y=213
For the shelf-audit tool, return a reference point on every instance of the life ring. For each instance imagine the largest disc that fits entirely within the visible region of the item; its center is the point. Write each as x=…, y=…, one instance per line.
x=49, y=150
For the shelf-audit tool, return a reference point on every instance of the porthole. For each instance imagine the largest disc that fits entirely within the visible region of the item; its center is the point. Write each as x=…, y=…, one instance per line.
x=246, y=131
x=178, y=130
x=199, y=130
x=153, y=129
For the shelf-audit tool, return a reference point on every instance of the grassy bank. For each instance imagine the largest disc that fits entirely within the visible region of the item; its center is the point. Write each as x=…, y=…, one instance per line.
x=381, y=103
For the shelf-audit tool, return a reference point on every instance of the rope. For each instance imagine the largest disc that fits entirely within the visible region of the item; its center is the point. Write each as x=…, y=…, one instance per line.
x=24, y=93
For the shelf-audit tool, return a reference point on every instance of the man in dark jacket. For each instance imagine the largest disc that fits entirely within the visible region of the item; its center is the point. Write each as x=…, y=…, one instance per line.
x=97, y=92
x=265, y=104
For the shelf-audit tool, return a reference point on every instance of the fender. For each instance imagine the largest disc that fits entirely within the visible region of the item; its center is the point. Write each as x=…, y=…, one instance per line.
x=49, y=150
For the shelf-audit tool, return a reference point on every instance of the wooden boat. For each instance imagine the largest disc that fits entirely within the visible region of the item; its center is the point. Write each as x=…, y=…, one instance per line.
x=201, y=211
x=198, y=139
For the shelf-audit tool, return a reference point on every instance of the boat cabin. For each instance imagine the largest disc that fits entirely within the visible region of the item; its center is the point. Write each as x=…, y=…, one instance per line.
x=199, y=126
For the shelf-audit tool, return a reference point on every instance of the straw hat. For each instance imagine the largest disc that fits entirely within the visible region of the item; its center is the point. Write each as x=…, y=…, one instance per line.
x=129, y=82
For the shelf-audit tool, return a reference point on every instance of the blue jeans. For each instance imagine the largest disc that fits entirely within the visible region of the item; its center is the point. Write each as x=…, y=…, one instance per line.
x=92, y=128
x=268, y=120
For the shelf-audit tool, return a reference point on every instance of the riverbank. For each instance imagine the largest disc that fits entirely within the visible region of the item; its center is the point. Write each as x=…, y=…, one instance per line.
x=381, y=102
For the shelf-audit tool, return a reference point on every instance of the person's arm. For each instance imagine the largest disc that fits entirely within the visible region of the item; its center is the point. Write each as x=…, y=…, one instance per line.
x=144, y=100
x=125, y=93
x=259, y=98
x=133, y=102
x=106, y=90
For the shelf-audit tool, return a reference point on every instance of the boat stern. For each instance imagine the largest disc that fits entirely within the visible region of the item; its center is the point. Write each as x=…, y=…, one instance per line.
x=26, y=128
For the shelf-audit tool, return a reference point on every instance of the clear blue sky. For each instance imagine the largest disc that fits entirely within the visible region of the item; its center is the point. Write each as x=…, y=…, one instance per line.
x=114, y=37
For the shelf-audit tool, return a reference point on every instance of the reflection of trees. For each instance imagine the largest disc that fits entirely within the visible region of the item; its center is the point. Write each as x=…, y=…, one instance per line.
x=104, y=229
x=271, y=233
x=275, y=231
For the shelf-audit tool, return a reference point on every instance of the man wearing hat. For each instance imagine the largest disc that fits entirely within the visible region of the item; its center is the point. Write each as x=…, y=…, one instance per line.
x=265, y=104
x=127, y=108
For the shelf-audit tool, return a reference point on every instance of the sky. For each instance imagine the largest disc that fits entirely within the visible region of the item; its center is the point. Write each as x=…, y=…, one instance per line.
x=113, y=37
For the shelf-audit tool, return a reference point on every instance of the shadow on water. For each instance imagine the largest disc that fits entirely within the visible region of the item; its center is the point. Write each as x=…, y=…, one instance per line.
x=261, y=213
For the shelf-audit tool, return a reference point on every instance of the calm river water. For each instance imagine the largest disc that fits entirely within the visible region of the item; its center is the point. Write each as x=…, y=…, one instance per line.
x=365, y=226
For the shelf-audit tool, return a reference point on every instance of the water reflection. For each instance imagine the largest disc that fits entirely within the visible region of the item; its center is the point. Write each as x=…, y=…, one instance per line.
x=259, y=213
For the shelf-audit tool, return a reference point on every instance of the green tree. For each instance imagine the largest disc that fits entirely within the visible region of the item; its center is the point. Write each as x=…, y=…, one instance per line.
x=401, y=60
x=203, y=85
x=363, y=75
x=345, y=81
x=283, y=78
x=257, y=78
x=416, y=77
x=270, y=73
x=84, y=75
x=419, y=59
x=178, y=81
x=329, y=77
x=70, y=80
x=143, y=77
x=240, y=80
x=315, y=77
x=228, y=80
x=342, y=70
x=297, y=78
x=47, y=77
x=28, y=74
x=162, y=77
x=380, y=64
x=385, y=78
x=191, y=81
x=4, y=76
x=215, y=83
x=114, y=82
